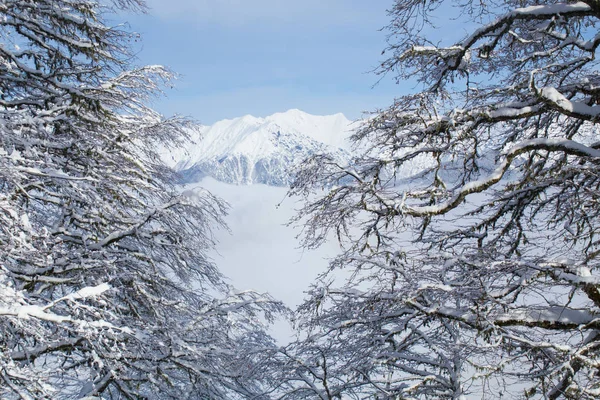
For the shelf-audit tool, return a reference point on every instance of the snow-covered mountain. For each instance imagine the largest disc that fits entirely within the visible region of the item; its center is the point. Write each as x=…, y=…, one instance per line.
x=250, y=150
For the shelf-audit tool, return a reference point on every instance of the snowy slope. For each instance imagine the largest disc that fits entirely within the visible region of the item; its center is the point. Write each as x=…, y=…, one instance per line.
x=250, y=150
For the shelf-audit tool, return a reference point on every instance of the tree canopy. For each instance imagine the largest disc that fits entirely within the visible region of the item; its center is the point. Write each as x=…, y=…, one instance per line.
x=469, y=218
x=105, y=287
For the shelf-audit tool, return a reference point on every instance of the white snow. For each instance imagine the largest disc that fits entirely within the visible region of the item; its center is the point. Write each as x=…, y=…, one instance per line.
x=572, y=107
x=237, y=150
x=90, y=291
x=551, y=9
x=332, y=130
x=549, y=314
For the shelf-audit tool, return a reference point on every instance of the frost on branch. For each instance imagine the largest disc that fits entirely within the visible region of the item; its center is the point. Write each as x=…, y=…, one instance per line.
x=105, y=288
x=470, y=218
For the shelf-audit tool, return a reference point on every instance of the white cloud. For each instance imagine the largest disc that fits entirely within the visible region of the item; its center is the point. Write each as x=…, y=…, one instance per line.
x=260, y=252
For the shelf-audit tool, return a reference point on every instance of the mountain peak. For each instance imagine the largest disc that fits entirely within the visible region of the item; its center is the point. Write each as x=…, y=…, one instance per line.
x=296, y=113
x=250, y=149
x=331, y=130
x=292, y=113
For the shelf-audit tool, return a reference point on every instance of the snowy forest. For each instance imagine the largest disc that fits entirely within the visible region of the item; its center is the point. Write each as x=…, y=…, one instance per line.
x=466, y=217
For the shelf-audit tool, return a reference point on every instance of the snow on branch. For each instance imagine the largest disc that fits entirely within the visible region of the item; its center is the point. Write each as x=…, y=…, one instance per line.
x=533, y=12
x=565, y=106
x=41, y=312
x=554, y=145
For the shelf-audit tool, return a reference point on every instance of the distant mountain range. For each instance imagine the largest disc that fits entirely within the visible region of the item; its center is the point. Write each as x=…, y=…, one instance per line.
x=249, y=150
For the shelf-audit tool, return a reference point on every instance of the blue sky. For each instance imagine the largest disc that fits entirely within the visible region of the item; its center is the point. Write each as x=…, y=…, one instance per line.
x=259, y=57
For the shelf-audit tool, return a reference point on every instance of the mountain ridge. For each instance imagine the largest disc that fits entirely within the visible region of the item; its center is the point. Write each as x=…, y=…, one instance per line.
x=248, y=149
